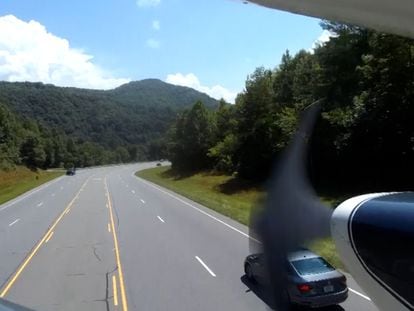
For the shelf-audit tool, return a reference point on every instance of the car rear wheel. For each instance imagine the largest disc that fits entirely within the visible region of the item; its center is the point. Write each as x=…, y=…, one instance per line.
x=249, y=272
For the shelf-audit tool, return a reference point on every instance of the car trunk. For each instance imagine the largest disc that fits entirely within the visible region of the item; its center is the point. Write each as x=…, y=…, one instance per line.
x=326, y=283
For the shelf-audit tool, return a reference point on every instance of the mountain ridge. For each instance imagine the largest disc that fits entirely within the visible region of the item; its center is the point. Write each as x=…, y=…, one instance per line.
x=134, y=113
x=146, y=85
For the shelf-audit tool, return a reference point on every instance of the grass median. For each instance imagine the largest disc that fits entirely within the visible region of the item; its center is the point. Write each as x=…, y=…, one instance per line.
x=20, y=180
x=227, y=195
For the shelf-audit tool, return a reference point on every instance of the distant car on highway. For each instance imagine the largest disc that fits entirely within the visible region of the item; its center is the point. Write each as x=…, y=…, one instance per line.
x=312, y=281
x=71, y=171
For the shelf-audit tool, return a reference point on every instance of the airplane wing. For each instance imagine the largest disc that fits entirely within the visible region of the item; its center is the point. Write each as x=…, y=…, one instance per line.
x=383, y=15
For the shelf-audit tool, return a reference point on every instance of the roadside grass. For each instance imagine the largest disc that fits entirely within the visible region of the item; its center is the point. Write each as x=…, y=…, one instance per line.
x=326, y=248
x=229, y=196
x=217, y=192
x=21, y=179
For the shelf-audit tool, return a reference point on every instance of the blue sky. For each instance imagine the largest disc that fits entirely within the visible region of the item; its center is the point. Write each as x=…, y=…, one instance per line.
x=210, y=45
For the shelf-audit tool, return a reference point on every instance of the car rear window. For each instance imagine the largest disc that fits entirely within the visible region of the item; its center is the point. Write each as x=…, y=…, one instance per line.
x=309, y=266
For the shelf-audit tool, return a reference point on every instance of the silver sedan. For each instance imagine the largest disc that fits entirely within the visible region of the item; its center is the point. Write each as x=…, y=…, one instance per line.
x=312, y=281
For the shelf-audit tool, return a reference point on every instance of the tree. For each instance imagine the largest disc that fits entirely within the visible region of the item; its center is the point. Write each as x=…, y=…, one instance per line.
x=223, y=154
x=49, y=153
x=257, y=131
x=9, y=141
x=384, y=109
x=157, y=149
x=225, y=119
x=122, y=155
x=32, y=152
x=191, y=138
x=59, y=149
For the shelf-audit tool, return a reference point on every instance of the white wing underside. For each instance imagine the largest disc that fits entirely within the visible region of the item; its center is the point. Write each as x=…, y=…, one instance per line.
x=396, y=16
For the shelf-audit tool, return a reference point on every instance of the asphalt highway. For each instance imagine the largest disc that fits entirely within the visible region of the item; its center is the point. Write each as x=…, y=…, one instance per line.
x=107, y=240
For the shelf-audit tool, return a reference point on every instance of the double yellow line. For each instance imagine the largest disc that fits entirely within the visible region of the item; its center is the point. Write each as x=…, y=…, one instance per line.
x=47, y=236
x=117, y=256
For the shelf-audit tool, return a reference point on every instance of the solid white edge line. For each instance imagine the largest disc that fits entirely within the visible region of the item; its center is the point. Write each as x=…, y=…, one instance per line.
x=24, y=196
x=359, y=294
x=201, y=211
x=205, y=266
x=11, y=224
x=162, y=220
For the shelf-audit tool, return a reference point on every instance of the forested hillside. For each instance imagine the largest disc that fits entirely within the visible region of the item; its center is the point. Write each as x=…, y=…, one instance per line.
x=156, y=93
x=90, y=126
x=134, y=113
x=364, y=139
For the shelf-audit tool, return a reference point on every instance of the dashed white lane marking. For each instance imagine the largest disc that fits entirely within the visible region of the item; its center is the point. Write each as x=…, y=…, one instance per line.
x=142, y=201
x=40, y=204
x=201, y=211
x=22, y=197
x=359, y=294
x=205, y=266
x=133, y=191
x=14, y=222
x=162, y=220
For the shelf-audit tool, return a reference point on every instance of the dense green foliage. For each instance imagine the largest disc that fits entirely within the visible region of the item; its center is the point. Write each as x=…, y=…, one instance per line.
x=48, y=126
x=24, y=141
x=364, y=139
x=193, y=135
x=155, y=93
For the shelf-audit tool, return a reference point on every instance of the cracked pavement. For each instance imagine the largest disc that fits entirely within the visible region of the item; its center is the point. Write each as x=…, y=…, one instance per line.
x=70, y=271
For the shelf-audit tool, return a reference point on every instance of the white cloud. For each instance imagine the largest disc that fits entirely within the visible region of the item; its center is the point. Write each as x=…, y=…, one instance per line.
x=148, y=3
x=191, y=80
x=153, y=44
x=29, y=53
x=156, y=25
x=324, y=37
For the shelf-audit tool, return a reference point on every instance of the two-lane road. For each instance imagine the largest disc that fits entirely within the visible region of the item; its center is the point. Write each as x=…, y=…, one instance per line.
x=107, y=240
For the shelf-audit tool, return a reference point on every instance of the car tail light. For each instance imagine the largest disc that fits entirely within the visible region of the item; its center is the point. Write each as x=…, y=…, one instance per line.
x=304, y=288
